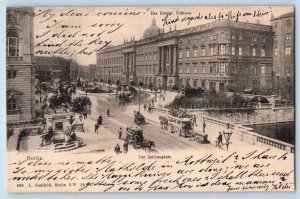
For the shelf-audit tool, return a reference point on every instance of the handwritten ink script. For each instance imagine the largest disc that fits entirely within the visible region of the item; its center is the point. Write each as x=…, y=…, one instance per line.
x=75, y=32
x=245, y=171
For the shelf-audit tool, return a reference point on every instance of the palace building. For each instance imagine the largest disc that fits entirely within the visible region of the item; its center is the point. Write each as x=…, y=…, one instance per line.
x=19, y=64
x=220, y=56
x=284, y=55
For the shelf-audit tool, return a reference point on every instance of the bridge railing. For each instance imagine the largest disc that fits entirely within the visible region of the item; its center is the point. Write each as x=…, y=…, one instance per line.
x=243, y=133
x=247, y=134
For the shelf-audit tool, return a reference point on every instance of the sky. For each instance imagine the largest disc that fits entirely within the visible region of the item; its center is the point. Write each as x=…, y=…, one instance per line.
x=98, y=28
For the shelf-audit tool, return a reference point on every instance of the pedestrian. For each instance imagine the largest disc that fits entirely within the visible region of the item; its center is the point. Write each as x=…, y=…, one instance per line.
x=120, y=133
x=117, y=149
x=195, y=120
x=97, y=127
x=100, y=120
x=85, y=113
x=125, y=146
x=108, y=112
x=219, y=140
x=204, y=126
x=145, y=106
x=80, y=118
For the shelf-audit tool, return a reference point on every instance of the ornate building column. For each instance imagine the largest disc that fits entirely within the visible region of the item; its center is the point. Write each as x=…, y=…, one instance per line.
x=170, y=70
x=159, y=61
x=174, y=60
x=162, y=60
x=125, y=63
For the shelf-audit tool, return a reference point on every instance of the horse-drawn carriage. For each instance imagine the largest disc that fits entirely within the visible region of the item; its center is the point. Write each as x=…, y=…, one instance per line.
x=139, y=118
x=135, y=136
x=182, y=127
x=80, y=104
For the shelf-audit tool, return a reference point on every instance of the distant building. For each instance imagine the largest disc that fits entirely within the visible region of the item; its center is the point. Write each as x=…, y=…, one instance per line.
x=221, y=56
x=284, y=55
x=84, y=72
x=19, y=64
x=52, y=68
x=74, y=69
x=92, y=72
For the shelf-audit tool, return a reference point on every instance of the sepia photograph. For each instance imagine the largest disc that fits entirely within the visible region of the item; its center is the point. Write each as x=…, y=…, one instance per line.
x=150, y=99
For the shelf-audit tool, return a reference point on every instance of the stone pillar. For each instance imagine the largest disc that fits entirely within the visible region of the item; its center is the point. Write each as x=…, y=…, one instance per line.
x=131, y=62
x=170, y=60
x=162, y=60
x=125, y=62
x=174, y=60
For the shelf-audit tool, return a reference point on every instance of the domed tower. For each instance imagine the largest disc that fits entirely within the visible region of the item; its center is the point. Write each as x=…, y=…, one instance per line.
x=152, y=31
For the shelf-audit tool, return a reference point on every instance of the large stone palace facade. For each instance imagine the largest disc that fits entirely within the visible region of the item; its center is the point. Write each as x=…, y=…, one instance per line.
x=19, y=64
x=221, y=56
x=284, y=55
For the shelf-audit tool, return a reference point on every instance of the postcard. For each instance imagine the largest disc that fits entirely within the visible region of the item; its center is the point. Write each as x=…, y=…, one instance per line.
x=150, y=99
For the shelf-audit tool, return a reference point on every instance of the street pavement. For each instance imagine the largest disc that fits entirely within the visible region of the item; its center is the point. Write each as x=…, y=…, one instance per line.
x=123, y=116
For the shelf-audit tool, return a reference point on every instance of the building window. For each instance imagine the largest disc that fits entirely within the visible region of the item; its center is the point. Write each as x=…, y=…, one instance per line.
x=288, y=36
x=254, y=38
x=222, y=49
x=275, y=52
x=12, y=18
x=264, y=39
x=263, y=52
x=240, y=37
x=222, y=35
x=263, y=68
x=187, y=68
x=211, y=51
x=211, y=37
x=11, y=104
x=11, y=73
x=287, y=50
x=12, y=44
x=195, y=52
x=13, y=101
x=277, y=70
x=288, y=70
x=253, y=51
x=276, y=24
x=233, y=69
x=180, y=54
x=288, y=22
x=180, y=68
x=195, y=68
x=203, y=51
x=203, y=68
x=222, y=67
x=211, y=68
x=233, y=37
x=188, y=53
x=240, y=51
x=233, y=50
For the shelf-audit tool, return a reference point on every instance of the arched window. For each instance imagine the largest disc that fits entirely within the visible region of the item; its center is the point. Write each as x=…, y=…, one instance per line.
x=12, y=44
x=11, y=104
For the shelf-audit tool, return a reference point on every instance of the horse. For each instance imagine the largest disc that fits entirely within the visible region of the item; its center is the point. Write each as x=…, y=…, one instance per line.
x=148, y=145
x=97, y=127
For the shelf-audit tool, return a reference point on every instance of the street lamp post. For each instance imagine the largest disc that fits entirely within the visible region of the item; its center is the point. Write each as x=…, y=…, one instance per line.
x=139, y=99
x=227, y=135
